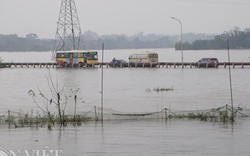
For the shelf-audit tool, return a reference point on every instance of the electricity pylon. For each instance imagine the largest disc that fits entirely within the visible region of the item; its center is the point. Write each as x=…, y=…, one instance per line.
x=68, y=33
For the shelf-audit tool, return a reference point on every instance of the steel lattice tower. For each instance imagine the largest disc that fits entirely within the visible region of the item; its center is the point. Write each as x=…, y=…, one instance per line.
x=68, y=33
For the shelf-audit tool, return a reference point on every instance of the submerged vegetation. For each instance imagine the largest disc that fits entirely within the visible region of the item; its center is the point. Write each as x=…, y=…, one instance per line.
x=221, y=114
x=20, y=119
x=160, y=89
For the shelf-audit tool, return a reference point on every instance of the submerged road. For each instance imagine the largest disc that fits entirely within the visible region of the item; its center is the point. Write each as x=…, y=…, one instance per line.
x=123, y=65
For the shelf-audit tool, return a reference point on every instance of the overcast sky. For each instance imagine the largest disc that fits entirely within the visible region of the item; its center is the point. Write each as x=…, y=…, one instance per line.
x=126, y=16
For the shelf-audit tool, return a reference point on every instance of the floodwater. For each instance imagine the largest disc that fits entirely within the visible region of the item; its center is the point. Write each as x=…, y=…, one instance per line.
x=133, y=138
x=127, y=90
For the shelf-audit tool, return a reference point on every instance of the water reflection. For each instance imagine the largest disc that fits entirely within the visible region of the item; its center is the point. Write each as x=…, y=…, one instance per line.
x=143, y=137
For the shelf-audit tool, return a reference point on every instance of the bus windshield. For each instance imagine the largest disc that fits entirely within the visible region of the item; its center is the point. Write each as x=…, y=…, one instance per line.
x=92, y=55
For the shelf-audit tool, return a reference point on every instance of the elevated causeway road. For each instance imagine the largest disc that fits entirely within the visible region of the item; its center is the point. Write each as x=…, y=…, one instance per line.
x=122, y=65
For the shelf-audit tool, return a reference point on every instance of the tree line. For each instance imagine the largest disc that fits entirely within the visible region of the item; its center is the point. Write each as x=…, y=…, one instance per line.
x=29, y=43
x=138, y=41
x=239, y=39
x=91, y=40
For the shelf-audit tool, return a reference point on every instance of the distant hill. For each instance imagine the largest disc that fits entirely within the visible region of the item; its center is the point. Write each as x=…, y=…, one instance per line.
x=92, y=40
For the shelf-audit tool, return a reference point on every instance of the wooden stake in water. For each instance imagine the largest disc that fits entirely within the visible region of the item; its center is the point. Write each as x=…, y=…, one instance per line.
x=230, y=81
x=9, y=117
x=96, y=119
x=166, y=113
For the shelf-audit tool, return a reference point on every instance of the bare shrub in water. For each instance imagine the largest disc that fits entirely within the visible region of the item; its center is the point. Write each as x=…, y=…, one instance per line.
x=59, y=100
x=55, y=99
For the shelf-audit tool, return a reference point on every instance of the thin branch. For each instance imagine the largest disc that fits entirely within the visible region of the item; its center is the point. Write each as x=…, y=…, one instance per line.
x=31, y=92
x=52, y=90
x=51, y=82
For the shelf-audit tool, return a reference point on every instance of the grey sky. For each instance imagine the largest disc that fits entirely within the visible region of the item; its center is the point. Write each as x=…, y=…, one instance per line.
x=126, y=16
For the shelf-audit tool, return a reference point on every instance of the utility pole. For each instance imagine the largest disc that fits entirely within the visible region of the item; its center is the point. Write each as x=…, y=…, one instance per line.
x=102, y=85
x=68, y=32
x=230, y=81
x=181, y=39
